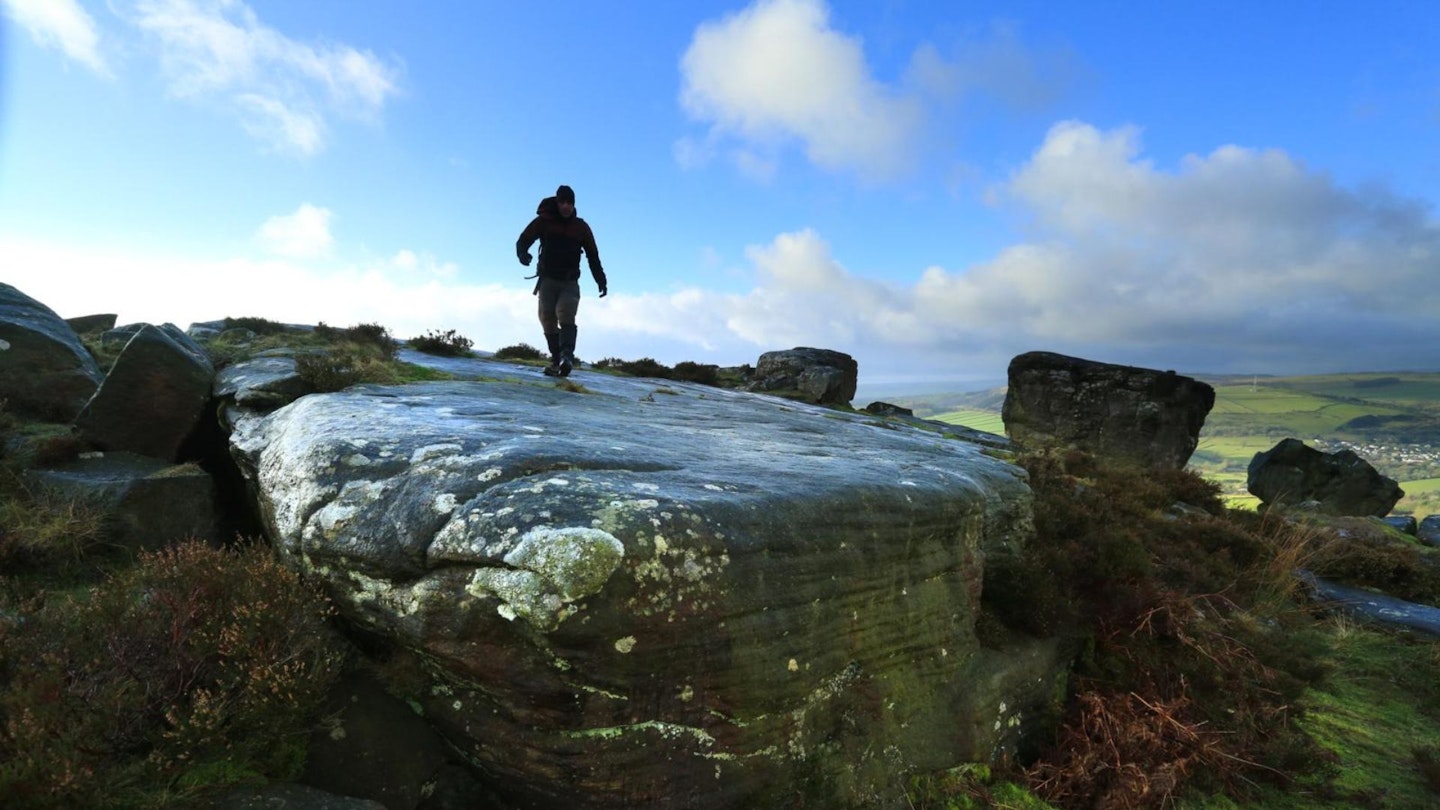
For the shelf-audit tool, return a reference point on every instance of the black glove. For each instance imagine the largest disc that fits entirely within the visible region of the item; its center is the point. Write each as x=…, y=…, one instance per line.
x=525, y=259
x=604, y=290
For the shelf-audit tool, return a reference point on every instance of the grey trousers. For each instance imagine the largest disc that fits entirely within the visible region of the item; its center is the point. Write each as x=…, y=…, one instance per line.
x=559, y=301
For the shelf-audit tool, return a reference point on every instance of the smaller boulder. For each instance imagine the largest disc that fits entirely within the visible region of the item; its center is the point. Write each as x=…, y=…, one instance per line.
x=1137, y=415
x=1429, y=531
x=1340, y=483
x=260, y=384
x=821, y=376
x=147, y=504
x=886, y=409
x=1401, y=523
x=153, y=397
x=91, y=323
x=45, y=371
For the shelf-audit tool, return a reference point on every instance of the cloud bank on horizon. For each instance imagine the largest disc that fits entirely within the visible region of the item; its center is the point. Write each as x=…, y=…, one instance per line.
x=1233, y=259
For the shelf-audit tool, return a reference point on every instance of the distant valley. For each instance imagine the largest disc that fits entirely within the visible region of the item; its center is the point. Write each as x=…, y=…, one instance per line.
x=1391, y=419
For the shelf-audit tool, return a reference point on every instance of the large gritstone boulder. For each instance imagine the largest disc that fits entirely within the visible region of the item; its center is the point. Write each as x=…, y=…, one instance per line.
x=631, y=596
x=45, y=372
x=1136, y=415
x=153, y=397
x=1340, y=483
x=821, y=376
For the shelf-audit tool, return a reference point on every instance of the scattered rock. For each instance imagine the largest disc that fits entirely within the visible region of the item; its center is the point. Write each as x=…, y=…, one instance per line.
x=148, y=504
x=1429, y=531
x=1137, y=415
x=820, y=376
x=45, y=371
x=1375, y=607
x=153, y=397
x=886, y=409
x=1402, y=523
x=260, y=384
x=1340, y=483
x=91, y=323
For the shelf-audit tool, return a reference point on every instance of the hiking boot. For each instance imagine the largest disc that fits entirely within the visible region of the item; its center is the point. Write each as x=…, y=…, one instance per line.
x=567, y=349
x=552, y=340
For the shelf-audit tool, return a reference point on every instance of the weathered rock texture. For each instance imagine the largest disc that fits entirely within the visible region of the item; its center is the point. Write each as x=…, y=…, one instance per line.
x=1137, y=415
x=45, y=372
x=1340, y=483
x=153, y=397
x=821, y=376
x=677, y=596
x=146, y=503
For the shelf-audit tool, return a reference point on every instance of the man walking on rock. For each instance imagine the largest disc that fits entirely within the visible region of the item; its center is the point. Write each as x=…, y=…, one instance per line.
x=562, y=235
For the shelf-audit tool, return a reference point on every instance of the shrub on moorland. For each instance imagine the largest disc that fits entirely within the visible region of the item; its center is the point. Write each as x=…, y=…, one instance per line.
x=326, y=372
x=520, y=351
x=366, y=334
x=445, y=344
x=260, y=326
x=644, y=367
x=1192, y=665
x=689, y=371
x=195, y=667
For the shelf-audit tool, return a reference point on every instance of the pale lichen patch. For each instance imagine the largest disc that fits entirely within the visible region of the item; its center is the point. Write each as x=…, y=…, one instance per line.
x=430, y=451
x=625, y=645
x=551, y=569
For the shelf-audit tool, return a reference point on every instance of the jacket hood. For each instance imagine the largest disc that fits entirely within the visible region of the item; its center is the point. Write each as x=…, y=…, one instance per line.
x=550, y=209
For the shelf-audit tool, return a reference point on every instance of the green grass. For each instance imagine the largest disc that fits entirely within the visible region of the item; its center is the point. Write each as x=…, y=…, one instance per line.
x=975, y=419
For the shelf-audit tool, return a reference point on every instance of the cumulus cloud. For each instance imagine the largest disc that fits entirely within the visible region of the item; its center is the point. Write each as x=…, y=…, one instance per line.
x=303, y=234
x=777, y=70
x=60, y=24
x=779, y=73
x=284, y=92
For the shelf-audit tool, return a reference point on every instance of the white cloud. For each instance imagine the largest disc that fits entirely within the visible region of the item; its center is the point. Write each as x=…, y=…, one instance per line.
x=61, y=24
x=283, y=91
x=777, y=73
x=181, y=289
x=777, y=70
x=303, y=234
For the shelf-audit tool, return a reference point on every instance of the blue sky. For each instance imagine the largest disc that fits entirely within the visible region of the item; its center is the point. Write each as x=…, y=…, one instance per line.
x=1244, y=187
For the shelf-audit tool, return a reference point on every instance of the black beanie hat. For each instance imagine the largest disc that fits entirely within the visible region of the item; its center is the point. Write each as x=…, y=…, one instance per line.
x=565, y=193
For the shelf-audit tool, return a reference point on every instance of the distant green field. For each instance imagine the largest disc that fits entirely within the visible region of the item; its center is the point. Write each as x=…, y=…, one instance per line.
x=988, y=421
x=1271, y=409
x=1424, y=486
x=1404, y=388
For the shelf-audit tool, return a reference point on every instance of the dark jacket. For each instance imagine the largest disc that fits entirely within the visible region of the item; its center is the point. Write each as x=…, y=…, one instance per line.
x=561, y=241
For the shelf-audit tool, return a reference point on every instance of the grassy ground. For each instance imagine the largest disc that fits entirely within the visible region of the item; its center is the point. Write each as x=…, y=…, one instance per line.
x=1377, y=710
